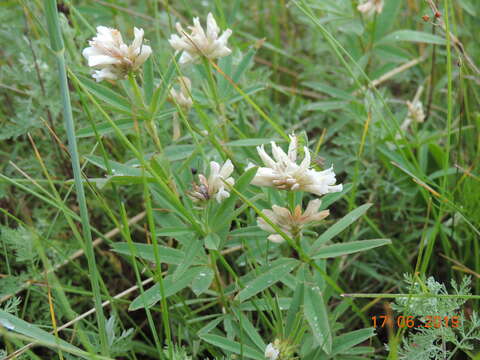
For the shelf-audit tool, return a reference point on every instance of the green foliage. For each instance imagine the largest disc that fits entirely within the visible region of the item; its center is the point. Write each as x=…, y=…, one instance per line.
x=20, y=242
x=444, y=341
x=120, y=343
x=189, y=279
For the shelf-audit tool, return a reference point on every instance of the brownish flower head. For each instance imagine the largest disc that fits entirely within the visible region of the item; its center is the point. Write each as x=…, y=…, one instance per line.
x=291, y=223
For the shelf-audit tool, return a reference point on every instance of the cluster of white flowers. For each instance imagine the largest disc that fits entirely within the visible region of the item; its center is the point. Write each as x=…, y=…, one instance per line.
x=112, y=58
x=200, y=42
x=214, y=185
x=283, y=172
x=369, y=7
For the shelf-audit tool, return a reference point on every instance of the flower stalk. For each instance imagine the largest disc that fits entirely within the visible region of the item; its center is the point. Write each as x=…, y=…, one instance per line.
x=58, y=48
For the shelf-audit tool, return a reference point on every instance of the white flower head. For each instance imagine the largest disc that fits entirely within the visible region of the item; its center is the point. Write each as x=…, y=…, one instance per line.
x=271, y=352
x=200, y=42
x=283, y=172
x=415, y=111
x=291, y=223
x=183, y=96
x=369, y=7
x=111, y=57
x=214, y=186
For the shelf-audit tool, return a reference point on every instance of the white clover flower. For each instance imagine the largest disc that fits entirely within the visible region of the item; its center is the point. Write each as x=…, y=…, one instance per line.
x=183, y=97
x=282, y=172
x=214, y=186
x=369, y=7
x=200, y=43
x=271, y=352
x=112, y=58
x=291, y=223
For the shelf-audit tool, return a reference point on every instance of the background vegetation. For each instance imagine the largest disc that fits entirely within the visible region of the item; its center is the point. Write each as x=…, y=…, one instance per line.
x=319, y=68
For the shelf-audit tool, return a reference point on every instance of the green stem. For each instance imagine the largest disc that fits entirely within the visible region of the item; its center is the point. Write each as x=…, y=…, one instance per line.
x=395, y=296
x=150, y=121
x=58, y=49
x=218, y=106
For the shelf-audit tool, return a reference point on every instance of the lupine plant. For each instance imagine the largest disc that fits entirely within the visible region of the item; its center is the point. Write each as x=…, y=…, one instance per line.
x=214, y=203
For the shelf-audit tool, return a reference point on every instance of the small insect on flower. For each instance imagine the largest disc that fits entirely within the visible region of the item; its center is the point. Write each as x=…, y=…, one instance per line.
x=182, y=97
x=271, y=352
x=291, y=223
x=200, y=42
x=369, y=7
x=214, y=186
x=282, y=172
x=112, y=58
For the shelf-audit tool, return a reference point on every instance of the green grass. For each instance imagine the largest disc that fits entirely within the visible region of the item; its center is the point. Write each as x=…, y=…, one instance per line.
x=170, y=278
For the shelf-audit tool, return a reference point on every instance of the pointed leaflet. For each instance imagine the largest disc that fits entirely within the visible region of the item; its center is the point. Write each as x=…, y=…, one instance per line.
x=233, y=346
x=316, y=315
x=350, y=247
x=145, y=251
x=342, y=343
x=338, y=227
x=17, y=325
x=202, y=281
x=170, y=286
x=277, y=270
x=249, y=329
x=111, y=97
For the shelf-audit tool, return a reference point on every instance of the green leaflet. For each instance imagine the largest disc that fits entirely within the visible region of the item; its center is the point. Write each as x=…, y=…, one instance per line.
x=350, y=247
x=170, y=285
x=278, y=269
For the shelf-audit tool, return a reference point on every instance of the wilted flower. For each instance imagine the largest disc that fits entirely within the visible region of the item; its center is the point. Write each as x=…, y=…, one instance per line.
x=284, y=173
x=415, y=114
x=200, y=43
x=214, y=186
x=368, y=7
x=415, y=111
x=112, y=57
x=183, y=97
x=291, y=223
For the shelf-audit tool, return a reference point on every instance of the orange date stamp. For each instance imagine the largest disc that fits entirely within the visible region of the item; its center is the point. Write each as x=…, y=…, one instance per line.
x=429, y=321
